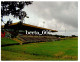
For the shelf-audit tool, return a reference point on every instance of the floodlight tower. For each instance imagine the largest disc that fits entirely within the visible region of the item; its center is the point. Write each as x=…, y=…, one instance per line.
x=65, y=33
x=43, y=23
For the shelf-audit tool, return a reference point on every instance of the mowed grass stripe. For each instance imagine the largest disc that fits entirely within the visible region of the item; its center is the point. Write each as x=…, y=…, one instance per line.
x=22, y=56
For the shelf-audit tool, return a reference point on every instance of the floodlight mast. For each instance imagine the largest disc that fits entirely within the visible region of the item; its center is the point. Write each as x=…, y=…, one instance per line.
x=65, y=33
x=43, y=23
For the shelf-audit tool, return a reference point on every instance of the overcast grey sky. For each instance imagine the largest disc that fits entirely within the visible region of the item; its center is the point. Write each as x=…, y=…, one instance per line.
x=57, y=15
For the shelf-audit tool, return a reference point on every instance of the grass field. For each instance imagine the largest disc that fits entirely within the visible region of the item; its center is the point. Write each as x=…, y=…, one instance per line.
x=56, y=50
x=5, y=41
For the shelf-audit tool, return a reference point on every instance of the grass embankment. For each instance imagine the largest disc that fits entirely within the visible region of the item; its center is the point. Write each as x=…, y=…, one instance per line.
x=57, y=50
x=5, y=41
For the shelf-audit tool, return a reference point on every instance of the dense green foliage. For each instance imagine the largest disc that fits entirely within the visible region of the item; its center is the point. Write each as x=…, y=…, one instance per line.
x=57, y=50
x=14, y=8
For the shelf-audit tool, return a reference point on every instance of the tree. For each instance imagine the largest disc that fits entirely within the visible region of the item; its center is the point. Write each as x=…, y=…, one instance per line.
x=14, y=8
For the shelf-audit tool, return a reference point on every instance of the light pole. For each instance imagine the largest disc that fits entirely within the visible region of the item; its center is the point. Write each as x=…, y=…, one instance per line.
x=65, y=33
x=43, y=23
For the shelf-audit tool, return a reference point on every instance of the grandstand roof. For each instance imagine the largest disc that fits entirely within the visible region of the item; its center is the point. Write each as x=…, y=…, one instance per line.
x=23, y=26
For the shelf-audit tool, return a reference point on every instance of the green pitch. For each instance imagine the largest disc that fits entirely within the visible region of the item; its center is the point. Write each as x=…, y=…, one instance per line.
x=56, y=50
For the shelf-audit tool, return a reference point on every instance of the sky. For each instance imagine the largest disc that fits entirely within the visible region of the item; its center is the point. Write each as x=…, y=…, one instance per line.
x=57, y=15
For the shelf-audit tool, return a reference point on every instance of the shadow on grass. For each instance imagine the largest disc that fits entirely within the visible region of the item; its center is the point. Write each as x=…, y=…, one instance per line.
x=19, y=43
x=9, y=44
